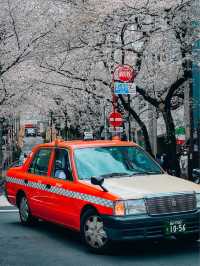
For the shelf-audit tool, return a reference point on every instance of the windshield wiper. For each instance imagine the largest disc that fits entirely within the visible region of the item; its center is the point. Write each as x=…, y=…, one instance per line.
x=112, y=175
x=116, y=175
x=147, y=173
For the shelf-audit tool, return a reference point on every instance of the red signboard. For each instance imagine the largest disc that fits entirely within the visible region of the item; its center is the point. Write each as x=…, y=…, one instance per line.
x=180, y=141
x=115, y=119
x=29, y=125
x=124, y=73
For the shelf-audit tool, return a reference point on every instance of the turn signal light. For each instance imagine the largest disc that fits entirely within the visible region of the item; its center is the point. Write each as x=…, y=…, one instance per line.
x=119, y=208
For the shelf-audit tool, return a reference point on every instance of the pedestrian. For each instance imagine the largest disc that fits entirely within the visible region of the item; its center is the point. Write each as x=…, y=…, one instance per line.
x=159, y=159
x=184, y=164
x=165, y=164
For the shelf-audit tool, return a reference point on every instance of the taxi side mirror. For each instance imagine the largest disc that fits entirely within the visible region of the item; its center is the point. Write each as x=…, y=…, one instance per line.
x=98, y=181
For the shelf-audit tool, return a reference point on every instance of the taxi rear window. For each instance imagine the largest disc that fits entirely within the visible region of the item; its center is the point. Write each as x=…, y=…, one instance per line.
x=39, y=165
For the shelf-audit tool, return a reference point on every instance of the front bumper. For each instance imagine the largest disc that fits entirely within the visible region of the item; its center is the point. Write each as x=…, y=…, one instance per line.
x=136, y=227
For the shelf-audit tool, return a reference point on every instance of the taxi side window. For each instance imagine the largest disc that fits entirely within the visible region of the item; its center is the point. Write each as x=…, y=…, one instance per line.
x=39, y=165
x=61, y=167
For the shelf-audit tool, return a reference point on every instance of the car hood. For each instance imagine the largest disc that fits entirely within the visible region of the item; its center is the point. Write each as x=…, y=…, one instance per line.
x=140, y=186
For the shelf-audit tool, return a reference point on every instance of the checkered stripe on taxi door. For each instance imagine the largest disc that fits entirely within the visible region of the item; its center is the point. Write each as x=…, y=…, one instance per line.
x=62, y=192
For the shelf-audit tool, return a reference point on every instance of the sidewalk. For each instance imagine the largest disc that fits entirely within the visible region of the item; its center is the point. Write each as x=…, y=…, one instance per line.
x=4, y=204
x=3, y=201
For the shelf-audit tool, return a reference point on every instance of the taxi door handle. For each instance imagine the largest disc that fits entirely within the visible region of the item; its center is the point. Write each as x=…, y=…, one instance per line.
x=26, y=181
x=48, y=186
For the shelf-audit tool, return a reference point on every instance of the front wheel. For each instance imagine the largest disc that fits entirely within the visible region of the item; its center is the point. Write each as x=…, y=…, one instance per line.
x=93, y=232
x=24, y=212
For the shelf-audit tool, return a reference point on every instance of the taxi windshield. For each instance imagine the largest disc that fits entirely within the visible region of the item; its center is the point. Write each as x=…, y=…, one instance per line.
x=114, y=161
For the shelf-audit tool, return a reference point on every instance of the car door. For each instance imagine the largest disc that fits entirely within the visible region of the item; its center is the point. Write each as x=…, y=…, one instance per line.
x=39, y=183
x=64, y=209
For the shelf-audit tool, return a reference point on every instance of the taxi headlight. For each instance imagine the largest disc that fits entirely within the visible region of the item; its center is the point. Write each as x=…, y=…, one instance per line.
x=129, y=207
x=135, y=206
x=198, y=200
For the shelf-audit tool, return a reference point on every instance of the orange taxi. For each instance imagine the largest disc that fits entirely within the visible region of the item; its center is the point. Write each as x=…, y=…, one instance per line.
x=106, y=190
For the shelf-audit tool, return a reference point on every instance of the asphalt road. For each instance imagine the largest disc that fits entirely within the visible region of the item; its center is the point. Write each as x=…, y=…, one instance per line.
x=50, y=245
x=30, y=142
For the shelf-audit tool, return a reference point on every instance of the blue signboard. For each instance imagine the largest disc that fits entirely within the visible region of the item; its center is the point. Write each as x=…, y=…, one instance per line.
x=125, y=88
x=121, y=88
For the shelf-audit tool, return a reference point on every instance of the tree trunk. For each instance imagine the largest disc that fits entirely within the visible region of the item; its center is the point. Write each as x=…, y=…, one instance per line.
x=172, y=156
x=140, y=123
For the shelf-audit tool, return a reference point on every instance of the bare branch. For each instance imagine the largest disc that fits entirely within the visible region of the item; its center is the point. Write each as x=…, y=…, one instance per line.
x=140, y=123
x=147, y=97
x=26, y=51
x=14, y=26
x=72, y=87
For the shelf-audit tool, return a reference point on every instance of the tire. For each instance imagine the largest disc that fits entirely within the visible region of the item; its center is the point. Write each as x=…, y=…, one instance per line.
x=93, y=233
x=24, y=212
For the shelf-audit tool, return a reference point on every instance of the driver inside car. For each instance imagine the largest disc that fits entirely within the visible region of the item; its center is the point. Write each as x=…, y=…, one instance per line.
x=59, y=171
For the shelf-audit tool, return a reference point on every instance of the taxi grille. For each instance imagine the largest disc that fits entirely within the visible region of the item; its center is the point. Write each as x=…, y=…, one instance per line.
x=171, y=204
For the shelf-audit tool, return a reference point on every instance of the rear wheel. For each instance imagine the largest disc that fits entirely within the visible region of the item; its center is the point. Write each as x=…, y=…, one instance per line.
x=93, y=232
x=24, y=212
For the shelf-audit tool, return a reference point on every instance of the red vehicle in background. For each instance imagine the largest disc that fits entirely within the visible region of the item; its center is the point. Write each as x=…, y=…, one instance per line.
x=31, y=130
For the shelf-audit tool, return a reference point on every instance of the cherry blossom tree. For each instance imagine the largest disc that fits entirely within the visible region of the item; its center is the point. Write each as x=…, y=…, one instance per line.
x=75, y=45
x=19, y=39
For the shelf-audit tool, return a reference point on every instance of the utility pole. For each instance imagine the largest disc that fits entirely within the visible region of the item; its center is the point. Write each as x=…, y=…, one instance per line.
x=105, y=123
x=129, y=118
x=51, y=125
x=66, y=132
x=12, y=139
x=153, y=128
x=66, y=128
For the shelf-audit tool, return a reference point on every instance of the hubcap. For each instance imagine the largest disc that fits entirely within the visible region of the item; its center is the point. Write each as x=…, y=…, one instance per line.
x=24, y=210
x=95, y=234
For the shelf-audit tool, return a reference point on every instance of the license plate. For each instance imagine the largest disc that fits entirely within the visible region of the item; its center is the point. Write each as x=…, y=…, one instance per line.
x=175, y=227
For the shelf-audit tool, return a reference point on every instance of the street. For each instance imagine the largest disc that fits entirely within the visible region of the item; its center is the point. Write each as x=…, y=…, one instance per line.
x=111, y=91
x=30, y=142
x=48, y=244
